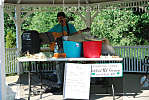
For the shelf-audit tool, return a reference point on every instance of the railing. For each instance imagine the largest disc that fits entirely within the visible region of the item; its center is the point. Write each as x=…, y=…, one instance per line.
x=11, y=64
x=133, y=59
x=10, y=60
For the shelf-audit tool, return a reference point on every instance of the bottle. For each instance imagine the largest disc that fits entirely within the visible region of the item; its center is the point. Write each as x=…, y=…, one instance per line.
x=65, y=38
x=56, y=48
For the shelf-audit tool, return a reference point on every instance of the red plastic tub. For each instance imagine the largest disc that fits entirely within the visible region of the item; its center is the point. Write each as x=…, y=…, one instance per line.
x=92, y=49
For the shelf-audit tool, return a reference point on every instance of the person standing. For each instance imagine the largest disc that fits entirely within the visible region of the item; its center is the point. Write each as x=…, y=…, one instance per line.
x=63, y=28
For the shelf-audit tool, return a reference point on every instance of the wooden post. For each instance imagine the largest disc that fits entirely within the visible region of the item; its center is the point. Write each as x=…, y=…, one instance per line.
x=18, y=27
x=88, y=19
x=18, y=23
x=18, y=35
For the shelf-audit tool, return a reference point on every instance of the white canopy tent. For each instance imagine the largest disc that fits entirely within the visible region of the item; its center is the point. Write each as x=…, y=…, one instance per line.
x=30, y=6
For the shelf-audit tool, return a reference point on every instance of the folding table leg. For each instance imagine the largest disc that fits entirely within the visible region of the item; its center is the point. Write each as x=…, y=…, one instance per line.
x=29, y=80
x=40, y=71
x=113, y=92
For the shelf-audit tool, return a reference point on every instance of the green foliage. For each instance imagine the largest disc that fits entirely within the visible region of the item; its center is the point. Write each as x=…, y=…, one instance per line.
x=123, y=27
x=10, y=32
x=38, y=21
x=44, y=21
x=78, y=22
x=9, y=25
x=119, y=26
x=142, y=32
x=10, y=40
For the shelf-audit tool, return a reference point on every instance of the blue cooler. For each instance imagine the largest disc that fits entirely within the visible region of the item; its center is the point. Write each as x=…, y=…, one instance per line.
x=72, y=49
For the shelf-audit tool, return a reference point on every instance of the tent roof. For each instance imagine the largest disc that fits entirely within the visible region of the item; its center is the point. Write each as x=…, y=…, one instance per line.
x=27, y=5
x=60, y=1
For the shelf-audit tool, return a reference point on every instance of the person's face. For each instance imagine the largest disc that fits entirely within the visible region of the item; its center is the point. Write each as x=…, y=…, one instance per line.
x=61, y=19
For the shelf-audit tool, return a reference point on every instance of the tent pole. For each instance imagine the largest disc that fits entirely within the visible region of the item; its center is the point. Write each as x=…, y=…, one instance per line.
x=2, y=54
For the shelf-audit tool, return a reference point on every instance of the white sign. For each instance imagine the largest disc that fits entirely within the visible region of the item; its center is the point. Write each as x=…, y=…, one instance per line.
x=107, y=70
x=77, y=81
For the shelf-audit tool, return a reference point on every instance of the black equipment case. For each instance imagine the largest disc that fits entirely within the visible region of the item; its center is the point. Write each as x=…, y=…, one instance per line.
x=30, y=42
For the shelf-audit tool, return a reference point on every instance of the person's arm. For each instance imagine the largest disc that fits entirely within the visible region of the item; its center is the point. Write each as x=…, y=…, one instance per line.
x=73, y=31
x=78, y=32
x=56, y=31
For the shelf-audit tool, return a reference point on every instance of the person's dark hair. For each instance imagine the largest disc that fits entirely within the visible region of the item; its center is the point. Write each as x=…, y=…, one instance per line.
x=61, y=14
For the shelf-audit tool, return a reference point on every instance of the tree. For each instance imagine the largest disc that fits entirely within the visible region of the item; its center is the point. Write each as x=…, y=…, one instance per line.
x=10, y=30
x=10, y=40
x=122, y=27
x=142, y=26
x=119, y=26
x=43, y=21
x=9, y=25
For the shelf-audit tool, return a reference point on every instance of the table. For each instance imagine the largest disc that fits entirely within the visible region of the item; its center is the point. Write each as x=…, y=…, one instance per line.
x=28, y=59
